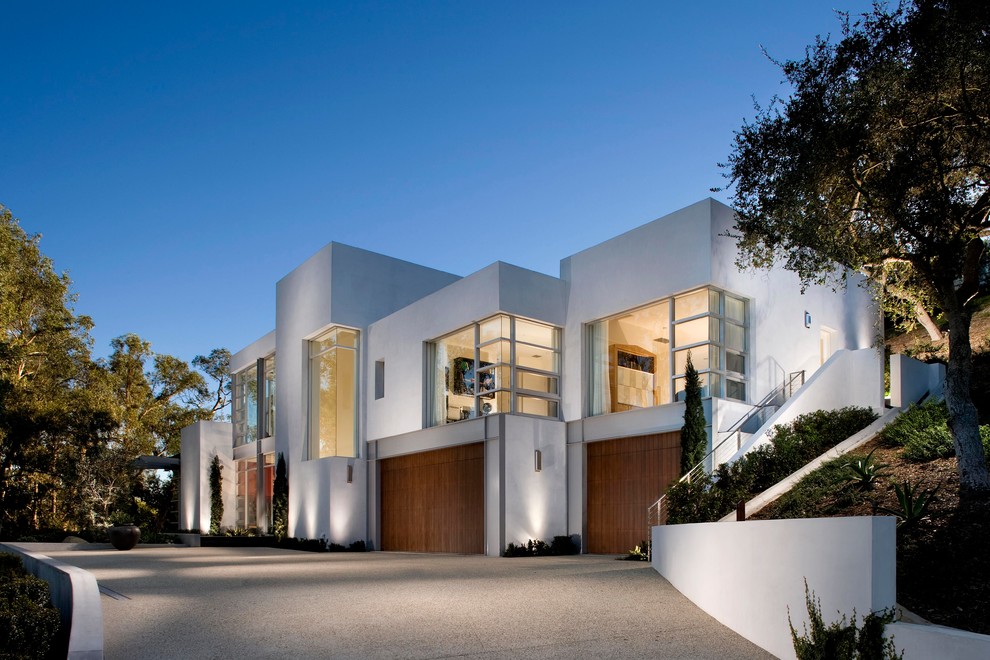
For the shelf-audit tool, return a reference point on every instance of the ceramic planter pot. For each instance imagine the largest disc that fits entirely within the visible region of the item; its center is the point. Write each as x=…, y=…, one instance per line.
x=124, y=537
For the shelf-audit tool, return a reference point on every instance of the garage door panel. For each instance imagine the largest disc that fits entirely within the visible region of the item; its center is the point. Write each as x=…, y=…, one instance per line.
x=434, y=501
x=626, y=476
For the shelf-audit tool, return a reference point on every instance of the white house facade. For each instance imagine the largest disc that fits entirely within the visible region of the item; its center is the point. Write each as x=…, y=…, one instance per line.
x=422, y=411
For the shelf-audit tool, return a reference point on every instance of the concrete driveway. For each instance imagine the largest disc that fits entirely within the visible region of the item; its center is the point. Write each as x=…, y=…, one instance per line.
x=178, y=602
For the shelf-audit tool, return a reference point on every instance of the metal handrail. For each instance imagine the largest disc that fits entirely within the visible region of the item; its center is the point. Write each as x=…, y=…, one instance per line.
x=657, y=512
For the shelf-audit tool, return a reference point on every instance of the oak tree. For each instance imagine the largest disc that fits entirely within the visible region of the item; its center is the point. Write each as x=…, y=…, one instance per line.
x=879, y=161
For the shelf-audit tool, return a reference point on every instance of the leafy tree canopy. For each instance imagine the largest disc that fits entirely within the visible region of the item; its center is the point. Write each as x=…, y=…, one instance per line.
x=879, y=161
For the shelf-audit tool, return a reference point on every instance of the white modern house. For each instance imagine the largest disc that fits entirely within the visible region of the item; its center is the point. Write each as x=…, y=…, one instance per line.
x=419, y=410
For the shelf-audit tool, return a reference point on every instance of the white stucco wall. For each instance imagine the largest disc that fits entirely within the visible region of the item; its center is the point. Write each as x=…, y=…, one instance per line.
x=663, y=257
x=689, y=249
x=535, y=503
x=780, y=343
x=923, y=642
x=399, y=338
x=200, y=442
x=339, y=285
x=848, y=378
x=912, y=379
x=249, y=355
x=749, y=575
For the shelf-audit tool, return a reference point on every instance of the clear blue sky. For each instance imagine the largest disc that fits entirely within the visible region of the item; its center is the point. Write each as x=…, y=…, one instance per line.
x=179, y=158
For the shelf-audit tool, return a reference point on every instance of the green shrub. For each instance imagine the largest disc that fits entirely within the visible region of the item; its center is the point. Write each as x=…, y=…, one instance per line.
x=840, y=639
x=806, y=498
x=216, y=495
x=791, y=446
x=923, y=432
x=29, y=624
x=561, y=545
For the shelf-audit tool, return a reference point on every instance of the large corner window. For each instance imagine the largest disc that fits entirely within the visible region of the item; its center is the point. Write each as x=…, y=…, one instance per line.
x=501, y=365
x=245, y=406
x=637, y=359
x=333, y=370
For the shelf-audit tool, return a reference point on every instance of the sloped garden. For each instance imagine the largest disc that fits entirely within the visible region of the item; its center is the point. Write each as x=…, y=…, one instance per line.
x=910, y=471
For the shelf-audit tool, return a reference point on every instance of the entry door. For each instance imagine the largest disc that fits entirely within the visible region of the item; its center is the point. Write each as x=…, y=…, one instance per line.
x=626, y=476
x=434, y=501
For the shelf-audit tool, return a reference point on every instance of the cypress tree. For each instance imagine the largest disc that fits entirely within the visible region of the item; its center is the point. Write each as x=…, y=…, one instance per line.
x=694, y=437
x=216, y=496
x=280, y=500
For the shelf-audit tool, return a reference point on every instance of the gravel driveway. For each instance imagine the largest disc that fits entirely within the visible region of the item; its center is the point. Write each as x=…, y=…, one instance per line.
x=178, y=602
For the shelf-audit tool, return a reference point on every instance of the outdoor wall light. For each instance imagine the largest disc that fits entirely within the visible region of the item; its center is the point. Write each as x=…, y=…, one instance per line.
x=539, y=460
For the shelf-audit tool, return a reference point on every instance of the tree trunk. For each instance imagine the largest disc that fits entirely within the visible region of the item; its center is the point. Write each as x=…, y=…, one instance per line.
x=925, y=319
x=963, y=419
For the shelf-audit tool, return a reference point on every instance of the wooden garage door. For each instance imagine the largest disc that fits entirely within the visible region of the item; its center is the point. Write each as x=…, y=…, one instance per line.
x=625, y=477
x=435, y=501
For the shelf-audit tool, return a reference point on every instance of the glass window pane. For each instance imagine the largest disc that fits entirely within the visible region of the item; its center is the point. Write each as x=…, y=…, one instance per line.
x=735, y=389
x=691, y=332
x=493, y=353
x=700, y=358
x=493, y=378
x=536, y=333
x=495, y=327
x=245, y=413
x=735, y=337
x=495, y=402
x=269, y=397
x=735, y=362
x=691, y=304
x=526, y=380
x=735, y=309
x=714, y=298
x=536, y=357
x=709, y=383
x=333, y=408
x=531, y=405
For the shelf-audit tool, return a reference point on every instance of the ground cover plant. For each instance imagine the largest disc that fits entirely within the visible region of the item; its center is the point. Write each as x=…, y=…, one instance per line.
x=941, y=538
x=710, y=497
x=29, y=624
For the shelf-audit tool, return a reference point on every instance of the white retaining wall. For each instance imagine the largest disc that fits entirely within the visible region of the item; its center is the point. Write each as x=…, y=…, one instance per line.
x=76, y=596
x=911, y=379
x=748, y=575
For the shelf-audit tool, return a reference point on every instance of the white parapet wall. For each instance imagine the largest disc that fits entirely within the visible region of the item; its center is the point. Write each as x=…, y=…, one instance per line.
x=74, y=593
x=750, y=575
x=200, y=443
x=848, y=378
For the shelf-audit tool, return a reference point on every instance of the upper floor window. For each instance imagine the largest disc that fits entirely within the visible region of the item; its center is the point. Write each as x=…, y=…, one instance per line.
x=254, y=411
x=245, y=406
x=333, y=394
x=269, y=397
x=503, y=364
x=637, y=359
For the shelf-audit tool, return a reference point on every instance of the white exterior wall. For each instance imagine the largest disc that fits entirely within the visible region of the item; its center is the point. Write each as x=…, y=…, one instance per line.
x=748, y=575
x=779, y=340
x=200, y=442
x=399, y=339
x=645, y=264
x=249, y=355
x=535, y=503
x=339, y=285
